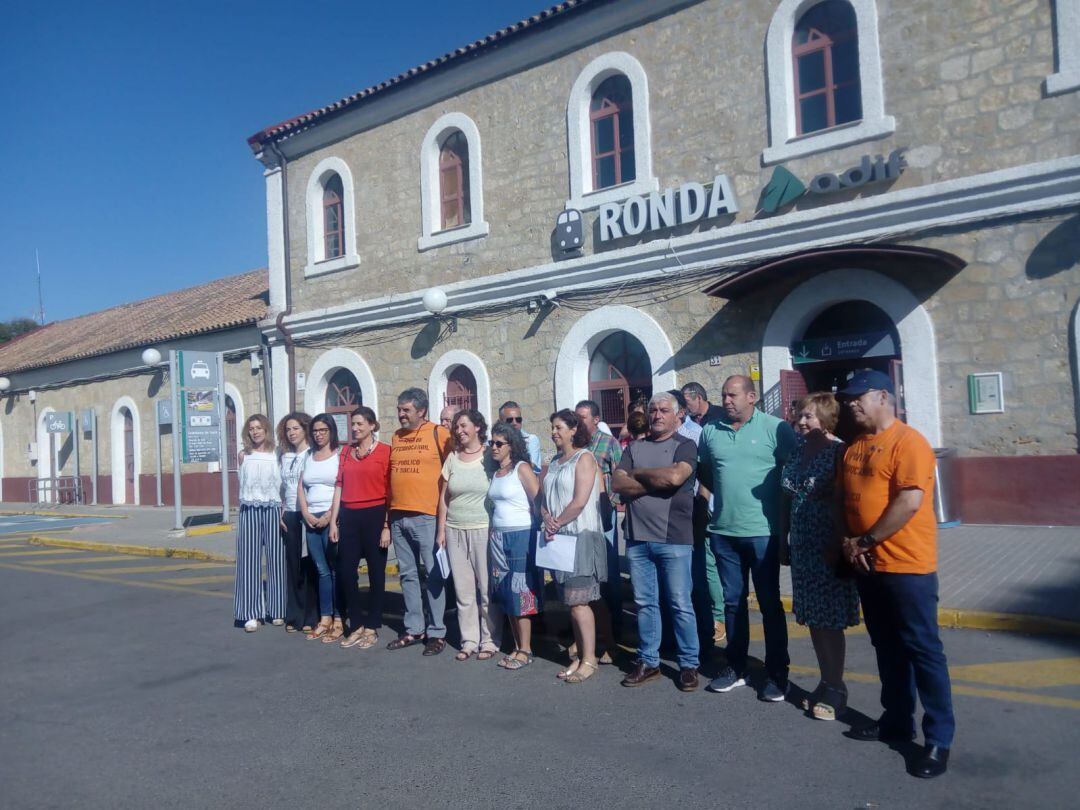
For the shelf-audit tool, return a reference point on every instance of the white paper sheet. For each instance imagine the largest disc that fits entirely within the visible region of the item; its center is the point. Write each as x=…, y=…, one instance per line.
x=556, y=554
x=443, y=561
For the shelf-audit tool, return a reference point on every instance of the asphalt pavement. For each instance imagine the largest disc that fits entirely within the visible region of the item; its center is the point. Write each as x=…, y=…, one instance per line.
x=126, y=685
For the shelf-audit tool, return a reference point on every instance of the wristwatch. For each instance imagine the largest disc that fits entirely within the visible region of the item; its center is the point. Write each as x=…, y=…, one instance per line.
x=867, y=541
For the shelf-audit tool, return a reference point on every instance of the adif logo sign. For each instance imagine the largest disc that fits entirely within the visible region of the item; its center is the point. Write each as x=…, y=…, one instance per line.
x=688, y=203
x=784, y=187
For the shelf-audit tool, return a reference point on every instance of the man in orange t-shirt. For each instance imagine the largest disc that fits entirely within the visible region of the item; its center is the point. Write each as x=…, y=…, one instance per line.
x=887, y=486
x=417, y=453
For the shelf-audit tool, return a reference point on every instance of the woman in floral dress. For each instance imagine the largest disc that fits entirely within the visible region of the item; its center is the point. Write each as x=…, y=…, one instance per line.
x=824, y=601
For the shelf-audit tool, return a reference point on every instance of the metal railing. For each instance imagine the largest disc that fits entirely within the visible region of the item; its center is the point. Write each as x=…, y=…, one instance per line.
x=59, y=489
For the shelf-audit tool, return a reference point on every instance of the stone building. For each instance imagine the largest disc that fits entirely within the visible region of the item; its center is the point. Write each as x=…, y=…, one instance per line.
x=620, y=197
x=94, y=363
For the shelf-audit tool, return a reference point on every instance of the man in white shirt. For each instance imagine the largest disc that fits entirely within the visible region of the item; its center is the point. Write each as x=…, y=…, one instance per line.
x=510, y=413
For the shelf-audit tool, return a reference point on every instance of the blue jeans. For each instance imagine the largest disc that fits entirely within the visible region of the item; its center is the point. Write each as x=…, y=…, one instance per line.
x=319, y=547
x=901, y=618
x=648, y=563
x=737, y=559
x=414, y=543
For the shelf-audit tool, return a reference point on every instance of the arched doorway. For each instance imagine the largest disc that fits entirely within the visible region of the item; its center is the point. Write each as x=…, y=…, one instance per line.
x=619, y=373
x=129, y=455
x=342, y=398
x=460, y=388
x=842, y=339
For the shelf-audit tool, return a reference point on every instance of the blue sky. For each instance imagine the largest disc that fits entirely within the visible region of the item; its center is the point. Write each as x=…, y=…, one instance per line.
x=125, y=160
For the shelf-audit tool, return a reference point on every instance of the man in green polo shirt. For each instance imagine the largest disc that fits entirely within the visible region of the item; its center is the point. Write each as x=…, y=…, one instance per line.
x=739, y=460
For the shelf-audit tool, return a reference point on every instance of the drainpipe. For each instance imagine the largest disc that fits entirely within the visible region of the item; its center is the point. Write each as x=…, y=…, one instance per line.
x=287, y=249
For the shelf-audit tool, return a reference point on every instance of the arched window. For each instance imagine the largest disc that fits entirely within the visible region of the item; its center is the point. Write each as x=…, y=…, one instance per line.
x=825, y=50
x=454, y=181
x=342, y=398
x=608, y=133
x=460, y=389
x=333, y=218
x=619, y=373
x=129, y=455
x=825, y=87
x=611, y=116
x=451, y=183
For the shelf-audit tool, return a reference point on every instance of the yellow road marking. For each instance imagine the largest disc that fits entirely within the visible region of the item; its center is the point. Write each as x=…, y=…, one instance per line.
x=135, y=583
x=963, y=689
x=156, y=569
x=79, y=560
x=1022, y=674
x=4, y=553
x=199, y=580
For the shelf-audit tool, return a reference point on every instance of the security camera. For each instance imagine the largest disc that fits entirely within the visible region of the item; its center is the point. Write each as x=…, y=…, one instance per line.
x=549, y=296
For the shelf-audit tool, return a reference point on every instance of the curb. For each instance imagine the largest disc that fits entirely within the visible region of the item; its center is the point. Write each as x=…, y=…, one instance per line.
x=120, y=548
x=215, y=528
x=963, y=619
x=12, y=513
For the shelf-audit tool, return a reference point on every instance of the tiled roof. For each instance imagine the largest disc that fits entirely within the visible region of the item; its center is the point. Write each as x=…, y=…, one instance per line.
x=473, y=49
x=221, y=304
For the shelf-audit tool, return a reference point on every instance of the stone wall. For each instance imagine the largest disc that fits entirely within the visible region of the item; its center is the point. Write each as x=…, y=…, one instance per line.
x=963, y=80
x=1008, y=310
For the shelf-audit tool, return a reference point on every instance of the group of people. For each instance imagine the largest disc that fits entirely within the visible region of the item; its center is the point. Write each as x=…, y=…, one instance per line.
x=709, y=496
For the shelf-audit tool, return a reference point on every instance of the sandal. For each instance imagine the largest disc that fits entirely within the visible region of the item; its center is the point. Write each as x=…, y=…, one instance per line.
x=405, y=640
x=831, y=703
x=320, y=630
x=336, y=633
x=514, y=663
x=353, y=638
x=563, y=674
x=577, y=677
x=812, y=697
x=463, y=655
x=291, y=628
x=368, y=640
x=434, y=646
x=485, y=655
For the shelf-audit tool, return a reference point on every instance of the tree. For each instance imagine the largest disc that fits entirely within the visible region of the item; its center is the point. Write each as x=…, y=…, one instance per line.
x=15, y=327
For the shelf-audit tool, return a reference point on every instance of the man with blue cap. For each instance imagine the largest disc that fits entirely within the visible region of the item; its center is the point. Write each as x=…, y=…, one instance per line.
x=887, y=484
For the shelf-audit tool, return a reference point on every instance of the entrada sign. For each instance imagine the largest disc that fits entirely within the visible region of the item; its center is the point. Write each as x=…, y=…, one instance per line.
x=688, y=203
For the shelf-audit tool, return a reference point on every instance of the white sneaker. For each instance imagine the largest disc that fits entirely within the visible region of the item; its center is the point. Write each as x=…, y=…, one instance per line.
x=251, y=625
x=277, y=622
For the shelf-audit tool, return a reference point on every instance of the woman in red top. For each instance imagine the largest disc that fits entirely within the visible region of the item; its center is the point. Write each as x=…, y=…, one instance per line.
x=358, y=525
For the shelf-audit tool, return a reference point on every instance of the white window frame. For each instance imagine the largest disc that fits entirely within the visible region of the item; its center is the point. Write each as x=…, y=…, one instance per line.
x=589, y=331
x=579, y=132
x=784, y=142
x=317, y=263
x=433, y=235
x=1066, y=48
x=440, y=378
x=324, y=367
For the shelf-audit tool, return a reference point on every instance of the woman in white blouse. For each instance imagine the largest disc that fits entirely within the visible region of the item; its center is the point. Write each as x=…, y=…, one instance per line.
x=301, y=611
x=258, y=530
x=314, y=497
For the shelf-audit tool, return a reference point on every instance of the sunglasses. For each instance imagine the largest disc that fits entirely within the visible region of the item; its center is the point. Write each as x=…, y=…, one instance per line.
x=497, y=444
x=512, y=419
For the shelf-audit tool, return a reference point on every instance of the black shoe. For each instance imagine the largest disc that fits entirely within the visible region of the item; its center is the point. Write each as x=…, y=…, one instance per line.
x=688, y=679
x=874, y=733
x=933, y=762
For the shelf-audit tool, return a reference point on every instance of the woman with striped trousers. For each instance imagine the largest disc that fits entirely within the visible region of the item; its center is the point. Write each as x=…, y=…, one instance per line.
x=258, y=530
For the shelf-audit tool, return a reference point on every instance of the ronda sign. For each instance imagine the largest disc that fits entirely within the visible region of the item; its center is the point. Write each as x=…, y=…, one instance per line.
x=688, y=203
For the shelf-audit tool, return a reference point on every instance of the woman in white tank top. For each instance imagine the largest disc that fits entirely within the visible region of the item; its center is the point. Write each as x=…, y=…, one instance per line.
x=516, y=584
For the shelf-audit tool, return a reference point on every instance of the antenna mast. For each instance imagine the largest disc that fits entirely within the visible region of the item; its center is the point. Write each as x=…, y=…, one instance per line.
x=41, y=300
